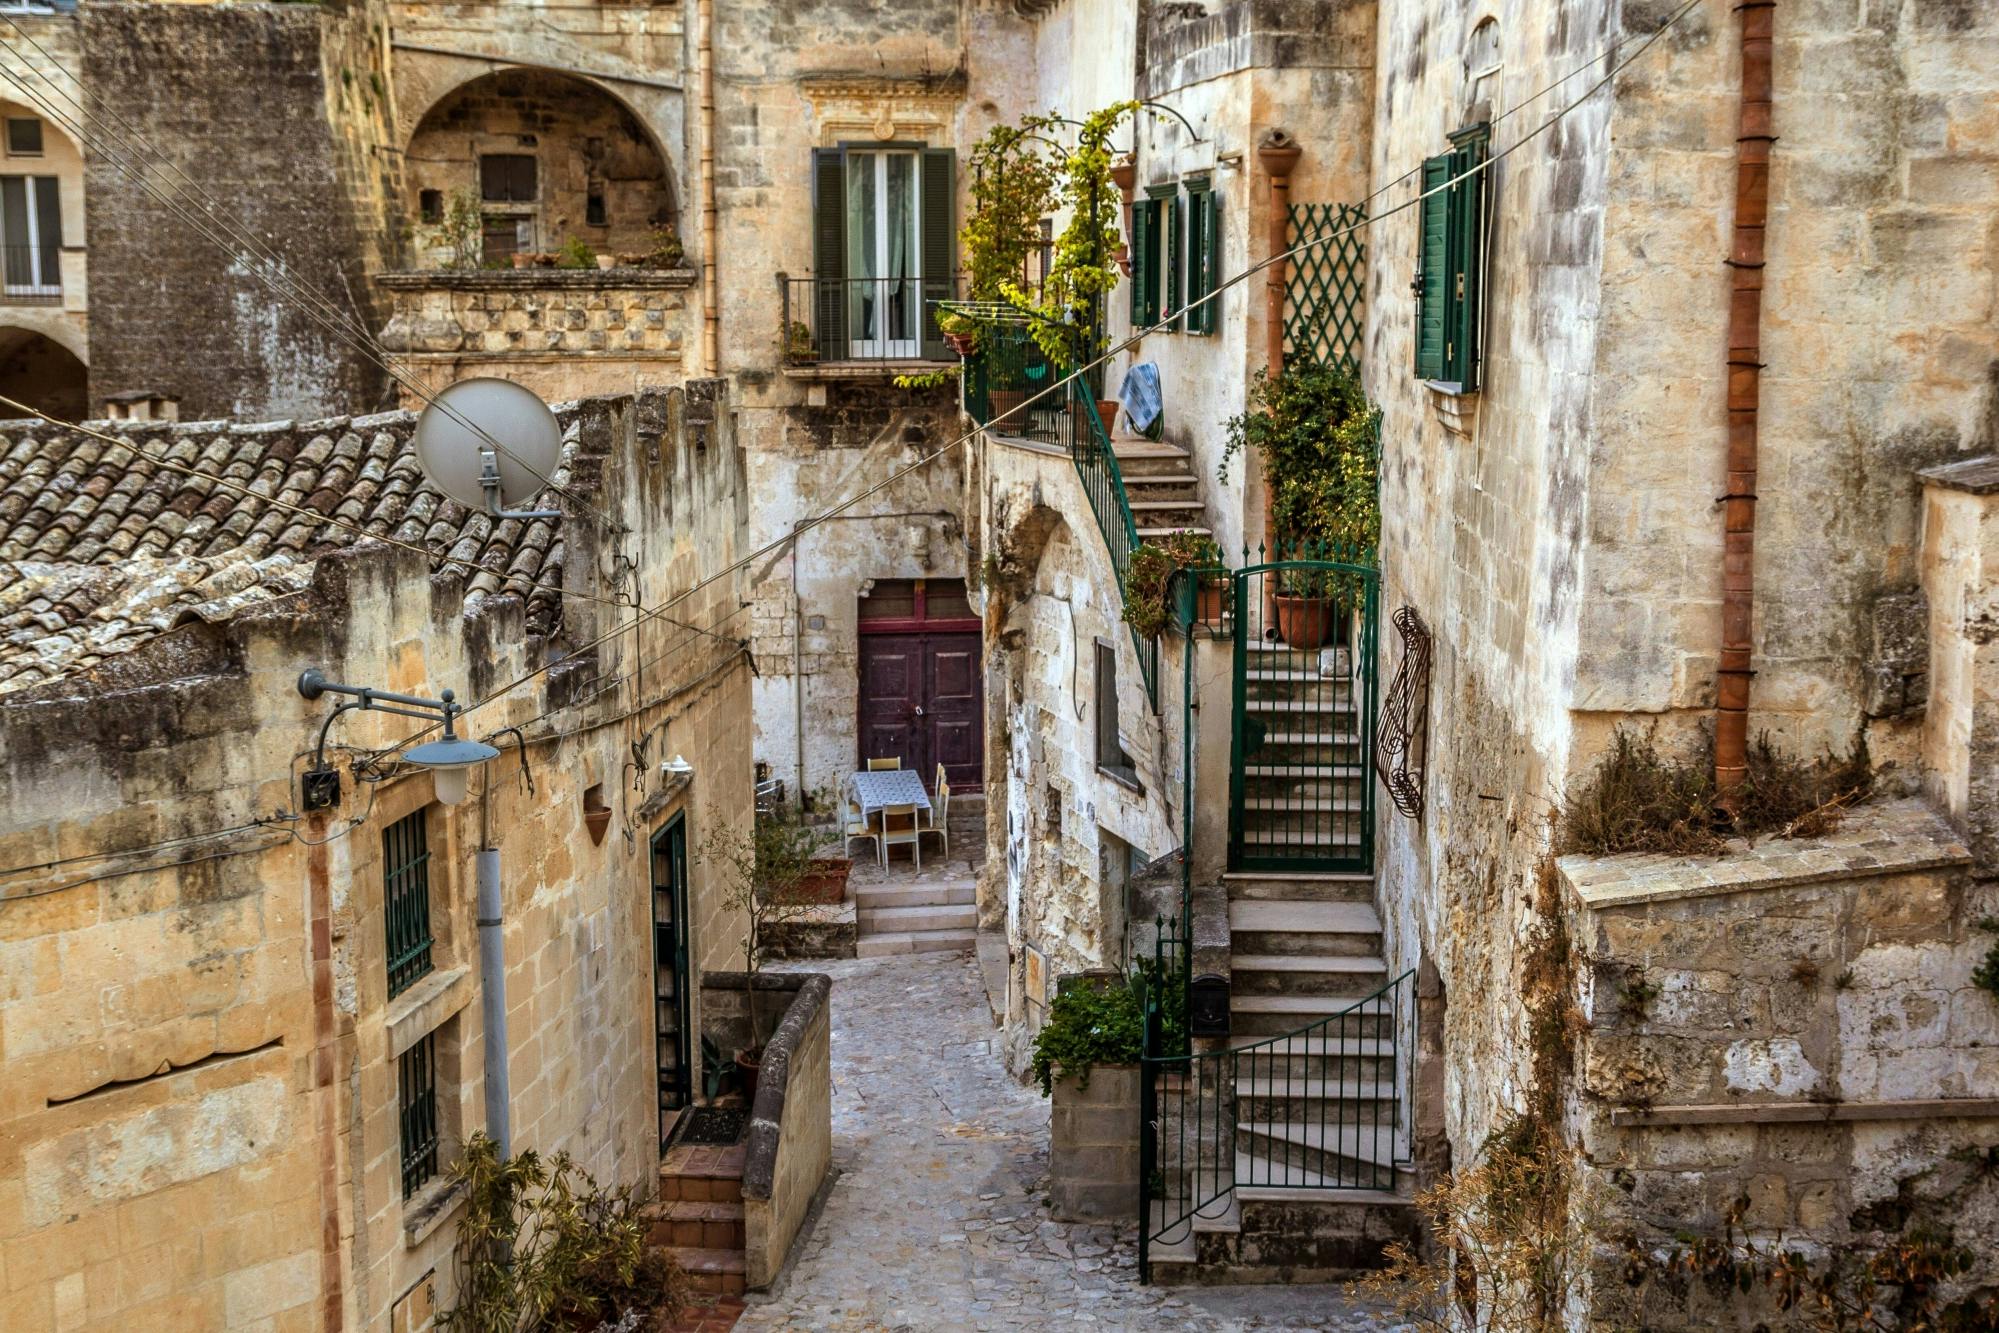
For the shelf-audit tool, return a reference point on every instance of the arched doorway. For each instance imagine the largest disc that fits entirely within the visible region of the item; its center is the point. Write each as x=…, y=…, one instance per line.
x=531, y=160
x=39, y=371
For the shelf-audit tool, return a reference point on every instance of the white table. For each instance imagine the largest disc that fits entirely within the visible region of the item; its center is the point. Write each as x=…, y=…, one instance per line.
x=885, y=787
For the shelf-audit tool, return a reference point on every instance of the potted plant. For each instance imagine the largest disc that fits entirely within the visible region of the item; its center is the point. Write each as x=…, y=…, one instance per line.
x=762, y=868
x=798, y=342
x=1148, y=581
x=667, y=250
x=1318, y=437
x=523, y=258
x=576, y=254
x=960, y=330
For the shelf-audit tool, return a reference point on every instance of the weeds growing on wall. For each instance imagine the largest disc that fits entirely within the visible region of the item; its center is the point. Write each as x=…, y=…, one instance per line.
x=542, y=1245
x=1986, y=974
x=1638, y=801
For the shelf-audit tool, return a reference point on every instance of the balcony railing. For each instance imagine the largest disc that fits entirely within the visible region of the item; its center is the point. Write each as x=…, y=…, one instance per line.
x=30, y=275
x=864, y=320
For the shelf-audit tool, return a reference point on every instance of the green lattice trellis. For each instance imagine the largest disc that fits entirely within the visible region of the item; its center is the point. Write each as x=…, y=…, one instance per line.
x=1324, y=300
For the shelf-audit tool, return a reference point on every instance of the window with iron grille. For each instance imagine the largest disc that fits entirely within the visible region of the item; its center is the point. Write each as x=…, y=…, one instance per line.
x=1111, y=756
x=406, y=899
x=416, y=1090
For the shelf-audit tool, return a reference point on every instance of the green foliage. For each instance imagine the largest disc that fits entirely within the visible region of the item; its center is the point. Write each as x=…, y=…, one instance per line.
x=1986, y=974
x=762, y=868
x=718, y=1071
x=1089, y=1026
x=1319, y=439
x=798, y=342
x=464, y=230
x=1148, y=580
x=930, y=379
x=1013, y=188
x=541, y=1245
x=667, y=250
x=1066, y=319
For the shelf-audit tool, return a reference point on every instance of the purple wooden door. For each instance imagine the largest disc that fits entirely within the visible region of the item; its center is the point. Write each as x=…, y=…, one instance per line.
x=922, y=701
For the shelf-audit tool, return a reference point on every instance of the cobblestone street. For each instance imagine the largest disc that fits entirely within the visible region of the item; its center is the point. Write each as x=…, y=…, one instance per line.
x=937, y=1217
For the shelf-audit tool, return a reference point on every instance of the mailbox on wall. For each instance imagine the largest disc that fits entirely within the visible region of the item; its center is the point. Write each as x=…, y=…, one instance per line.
x=1208, y=1006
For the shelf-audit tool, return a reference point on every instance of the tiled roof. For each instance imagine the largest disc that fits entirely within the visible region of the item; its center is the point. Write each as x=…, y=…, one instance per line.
x=101, y=548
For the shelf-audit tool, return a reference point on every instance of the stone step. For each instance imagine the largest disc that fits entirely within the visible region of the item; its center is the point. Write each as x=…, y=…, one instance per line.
x=1309, y=1187
x=1338, y=1017
x=719, y=1272
x=1304, y=805
x=1308, y=928
x=1154, y=479
x=915, y=941
x=1154, y=506
x=1150, y=534
x=1363, y=1104
x=1274, y=832
x=922, y=895
x=1281, y=782
x=1355, y=976
x=1289, y=1153
x=1304, y=886
x=896, y=920
x=1315, y=702
x=683, y=1223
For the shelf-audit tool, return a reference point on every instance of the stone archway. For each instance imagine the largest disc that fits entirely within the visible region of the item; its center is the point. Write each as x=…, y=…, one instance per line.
x=545, y=158
x=37, y=370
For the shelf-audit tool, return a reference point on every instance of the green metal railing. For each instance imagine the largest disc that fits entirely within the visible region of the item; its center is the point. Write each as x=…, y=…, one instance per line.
x=1300, y=793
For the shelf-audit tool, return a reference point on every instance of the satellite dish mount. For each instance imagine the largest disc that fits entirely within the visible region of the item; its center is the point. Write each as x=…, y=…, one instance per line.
x=489, y=485
x=459, y=446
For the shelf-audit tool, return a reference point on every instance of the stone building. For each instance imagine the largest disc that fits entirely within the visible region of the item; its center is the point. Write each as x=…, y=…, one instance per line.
x=246, y=1020
x=44, y=334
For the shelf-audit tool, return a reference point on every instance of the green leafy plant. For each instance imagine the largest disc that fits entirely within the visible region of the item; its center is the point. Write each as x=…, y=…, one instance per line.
x=667, y=250
x=542, y=1245
x=463, y=229
x=1066, y=318
x=1319, y=439
x=1148, y=579
x=718, y=1071
x=1089, y=1025
x=930, y=379
x=1986, y=974
x=798, y=343
x=762, y=868
x=576, y=253
x=1013, y=188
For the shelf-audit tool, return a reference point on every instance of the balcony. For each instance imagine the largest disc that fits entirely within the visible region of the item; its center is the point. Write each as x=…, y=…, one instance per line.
x=863, y=328
x=33, y=274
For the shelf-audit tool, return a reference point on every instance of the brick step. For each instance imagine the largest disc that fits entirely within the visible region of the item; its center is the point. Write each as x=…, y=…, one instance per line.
x=927, y=895
x=721, y=1272
x=915, y=941
x=894, y=920
x=679, y=1222
x=701, y=1173
x=1304, y=886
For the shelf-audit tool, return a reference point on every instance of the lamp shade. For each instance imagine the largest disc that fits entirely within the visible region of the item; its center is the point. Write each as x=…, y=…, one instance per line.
x=450, y=763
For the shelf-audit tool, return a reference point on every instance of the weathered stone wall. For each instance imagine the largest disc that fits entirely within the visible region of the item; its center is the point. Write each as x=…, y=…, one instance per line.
x=1960, y=572
x=1793, y=1025
x=562, y=334
x=199, y=1111
x=1093, y=1145
x=172, y=311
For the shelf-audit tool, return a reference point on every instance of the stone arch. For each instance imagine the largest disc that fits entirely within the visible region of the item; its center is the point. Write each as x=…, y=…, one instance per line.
x=44, y=371
x=598, y=171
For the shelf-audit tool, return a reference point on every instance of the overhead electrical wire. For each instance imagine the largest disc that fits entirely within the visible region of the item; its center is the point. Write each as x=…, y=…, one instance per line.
x=1304, y=245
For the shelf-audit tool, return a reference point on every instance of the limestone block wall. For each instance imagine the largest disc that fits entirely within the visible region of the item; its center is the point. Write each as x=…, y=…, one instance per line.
x=564, y=334
x=1960, y=572
x=1793, y=1024
x=1093, y=1144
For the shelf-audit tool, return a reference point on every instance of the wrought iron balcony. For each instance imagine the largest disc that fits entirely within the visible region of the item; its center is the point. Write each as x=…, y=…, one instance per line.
x=30, y=275
x=864, y=320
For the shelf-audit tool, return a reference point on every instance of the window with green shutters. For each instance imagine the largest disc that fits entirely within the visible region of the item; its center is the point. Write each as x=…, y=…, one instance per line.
x=1170, y=306
x=1204, y=255
x=1450, y=281
x=1148, y=226
x=884, y=249
x=406, y=900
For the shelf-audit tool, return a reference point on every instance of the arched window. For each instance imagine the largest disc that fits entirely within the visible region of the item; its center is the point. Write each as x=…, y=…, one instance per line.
x=1482, y=69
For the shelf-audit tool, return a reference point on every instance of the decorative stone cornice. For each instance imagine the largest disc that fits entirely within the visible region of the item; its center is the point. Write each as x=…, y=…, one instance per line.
x=535, y=279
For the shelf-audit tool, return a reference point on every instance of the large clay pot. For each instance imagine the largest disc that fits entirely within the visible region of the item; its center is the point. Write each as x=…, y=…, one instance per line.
x=1210, y=604
x=1006, y=408
x=748, y=1063
x=962, y=343
x=1107, y=413
x=825, y=880
x=1305, y=623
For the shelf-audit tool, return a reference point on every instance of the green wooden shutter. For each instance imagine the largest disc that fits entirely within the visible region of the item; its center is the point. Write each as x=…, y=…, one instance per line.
x=1432, y=267
x=1463, y=352
x=829, y=253
x=1171, y=310
x=1204, y=259
x=1141, y=261
x=939, y=187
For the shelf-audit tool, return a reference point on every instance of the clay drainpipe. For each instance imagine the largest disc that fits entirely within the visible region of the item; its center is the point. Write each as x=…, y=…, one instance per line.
x=711, y=314
x=1745, y=366
x=1278, y=154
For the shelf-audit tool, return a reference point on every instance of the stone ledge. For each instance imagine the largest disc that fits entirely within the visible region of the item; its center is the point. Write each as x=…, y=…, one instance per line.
x=1816, y=1113
x=1976, y=476
x=1892, y=838
x=534, y=279
x=862, y=370
x=424, y=1007
x=428, y=1210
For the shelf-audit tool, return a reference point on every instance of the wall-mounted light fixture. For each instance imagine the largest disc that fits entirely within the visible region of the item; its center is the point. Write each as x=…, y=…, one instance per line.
x=450, y=759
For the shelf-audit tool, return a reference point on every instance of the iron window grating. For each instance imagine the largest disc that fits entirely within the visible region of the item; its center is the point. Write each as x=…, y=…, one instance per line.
x=416, y=1085
x=406, y=900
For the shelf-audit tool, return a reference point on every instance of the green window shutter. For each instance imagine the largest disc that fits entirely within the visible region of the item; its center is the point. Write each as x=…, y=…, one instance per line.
x=1174, y=258
x=939, y=242
x=829, y=252
x=1432, y=266
x=1141, y=262
x=1204, y=259
x=1465, y=303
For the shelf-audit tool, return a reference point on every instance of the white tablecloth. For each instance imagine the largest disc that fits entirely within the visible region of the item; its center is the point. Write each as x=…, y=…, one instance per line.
x=893, y=786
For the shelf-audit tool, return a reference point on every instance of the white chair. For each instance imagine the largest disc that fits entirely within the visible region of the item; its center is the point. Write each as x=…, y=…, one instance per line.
x=899, y=826
x=888, y=765
x=856, y=826
x=940, y=813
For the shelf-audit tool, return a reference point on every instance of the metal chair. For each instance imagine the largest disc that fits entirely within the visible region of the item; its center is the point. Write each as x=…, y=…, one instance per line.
x=899, y=825
x=888, y=765
x=940, y=813
x=855, y=825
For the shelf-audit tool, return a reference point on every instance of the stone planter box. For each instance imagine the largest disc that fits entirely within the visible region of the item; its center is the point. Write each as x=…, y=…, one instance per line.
x=1093, y=1145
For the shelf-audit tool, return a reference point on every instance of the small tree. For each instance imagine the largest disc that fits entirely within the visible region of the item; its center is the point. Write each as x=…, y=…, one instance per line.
x=764, y=866
x=1013, y=188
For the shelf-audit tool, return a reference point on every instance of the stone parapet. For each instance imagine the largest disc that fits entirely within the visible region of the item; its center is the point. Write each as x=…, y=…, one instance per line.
x=1093, y=1144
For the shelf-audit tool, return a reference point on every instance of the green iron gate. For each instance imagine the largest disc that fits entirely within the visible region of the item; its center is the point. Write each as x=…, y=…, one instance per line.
x=1300, y=791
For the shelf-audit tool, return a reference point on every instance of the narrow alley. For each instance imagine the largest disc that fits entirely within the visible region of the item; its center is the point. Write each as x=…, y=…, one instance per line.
x=936, y=1216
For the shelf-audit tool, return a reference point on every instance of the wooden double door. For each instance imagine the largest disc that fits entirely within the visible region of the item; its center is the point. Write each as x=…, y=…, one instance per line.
x=923, y=702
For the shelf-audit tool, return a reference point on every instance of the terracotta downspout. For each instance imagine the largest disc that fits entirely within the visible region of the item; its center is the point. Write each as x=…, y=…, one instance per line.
x=325, y=1080
x=1745, y=366
x=1278, y=154
x=711, y=313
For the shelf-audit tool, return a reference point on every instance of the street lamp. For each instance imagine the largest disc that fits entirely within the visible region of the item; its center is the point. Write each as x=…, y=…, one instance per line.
x=450, y=759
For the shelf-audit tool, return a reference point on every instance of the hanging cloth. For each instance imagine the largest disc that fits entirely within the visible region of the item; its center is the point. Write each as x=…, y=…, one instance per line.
x=1143, y=404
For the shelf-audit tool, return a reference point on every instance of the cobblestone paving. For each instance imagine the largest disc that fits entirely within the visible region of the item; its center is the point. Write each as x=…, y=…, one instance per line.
x=938, y=1219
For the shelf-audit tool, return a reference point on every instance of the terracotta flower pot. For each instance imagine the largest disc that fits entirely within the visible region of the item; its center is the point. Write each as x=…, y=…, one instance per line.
x=748, y=1063
x=1006, y=404
x=522, y=258
x=1107, y=413
x=1210, y=605
x=826, y=880
x=1305, y=623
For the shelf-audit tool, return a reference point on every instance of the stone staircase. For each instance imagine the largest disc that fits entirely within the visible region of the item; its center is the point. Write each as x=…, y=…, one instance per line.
x=1303, y=779
x=920, y=917
x=698, y=1217
x=1160, y=485
x=1311, y=1115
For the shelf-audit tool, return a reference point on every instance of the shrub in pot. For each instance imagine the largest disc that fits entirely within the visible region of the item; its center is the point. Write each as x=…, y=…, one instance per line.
x=1149, y=586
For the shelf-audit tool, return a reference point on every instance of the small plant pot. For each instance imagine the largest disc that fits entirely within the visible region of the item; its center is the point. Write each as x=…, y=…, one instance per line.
x=1210, y=601
x=1006, y=406
x=826, y=880
x=1305, y=623
x=962, y=343
x=1107, y=413
x=748, y=1063
x=607, y=262
x=523, y=259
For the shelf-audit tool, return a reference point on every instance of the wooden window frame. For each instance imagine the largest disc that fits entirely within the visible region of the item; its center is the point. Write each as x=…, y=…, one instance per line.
x=1204, y=255
x=1112, y=760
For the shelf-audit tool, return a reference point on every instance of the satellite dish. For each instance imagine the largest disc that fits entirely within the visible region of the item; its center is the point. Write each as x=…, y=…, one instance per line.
x=456, y=438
